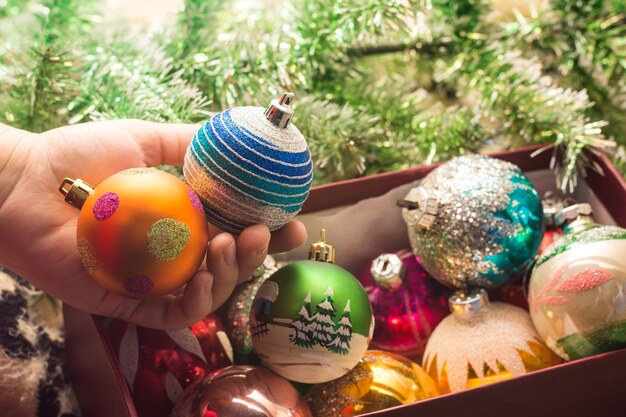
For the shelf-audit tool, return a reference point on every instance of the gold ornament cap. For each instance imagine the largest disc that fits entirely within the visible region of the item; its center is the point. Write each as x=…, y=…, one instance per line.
x=466, y=305
x=75, y=191
x=321, y=250
x=279, y=112
x=388, y=272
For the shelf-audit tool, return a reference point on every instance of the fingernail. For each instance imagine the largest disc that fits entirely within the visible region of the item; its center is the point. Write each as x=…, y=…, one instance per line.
x=229, y=254
x=263, y=250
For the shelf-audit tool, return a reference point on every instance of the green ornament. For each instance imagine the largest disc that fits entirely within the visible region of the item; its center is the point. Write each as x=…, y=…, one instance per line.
x=311, y=321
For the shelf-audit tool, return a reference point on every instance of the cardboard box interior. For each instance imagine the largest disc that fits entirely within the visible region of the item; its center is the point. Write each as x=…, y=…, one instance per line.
x=362, y=221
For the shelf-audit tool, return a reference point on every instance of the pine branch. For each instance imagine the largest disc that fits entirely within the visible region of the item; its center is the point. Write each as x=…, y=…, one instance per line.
x=40, y=79
x=515, y=91
x=196, y=26
x=12, y=8
x=583, y=43
x=601, y=54
x=340, y=138
x=135, y=80
x=456, y=19
x=326, y=30
x=407, y=126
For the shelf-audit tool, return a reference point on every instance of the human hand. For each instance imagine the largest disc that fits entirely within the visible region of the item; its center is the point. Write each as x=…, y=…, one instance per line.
x=38, y=229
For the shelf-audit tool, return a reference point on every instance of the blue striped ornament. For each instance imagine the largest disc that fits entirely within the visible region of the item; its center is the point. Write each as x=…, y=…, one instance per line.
x=248, y=171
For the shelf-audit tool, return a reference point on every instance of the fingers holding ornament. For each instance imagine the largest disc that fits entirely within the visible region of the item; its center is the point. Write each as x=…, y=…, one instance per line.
x=143, y=233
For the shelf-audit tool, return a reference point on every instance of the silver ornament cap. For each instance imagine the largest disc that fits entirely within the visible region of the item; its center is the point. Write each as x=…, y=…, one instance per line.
x=388, y=271
x=575, y=217
x=552, y=204
x=466, y=305
x=279, y=112
x=419, y=208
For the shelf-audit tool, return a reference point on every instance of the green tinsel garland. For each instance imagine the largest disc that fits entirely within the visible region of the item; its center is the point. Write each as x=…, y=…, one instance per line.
x=382, y=84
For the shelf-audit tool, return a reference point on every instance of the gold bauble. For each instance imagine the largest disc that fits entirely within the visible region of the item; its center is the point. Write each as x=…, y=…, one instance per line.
x=380, y=380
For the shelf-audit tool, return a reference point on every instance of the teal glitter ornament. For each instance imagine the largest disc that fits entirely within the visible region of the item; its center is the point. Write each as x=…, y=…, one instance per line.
x=249, y=166
x=475, y=221
x=311, y=321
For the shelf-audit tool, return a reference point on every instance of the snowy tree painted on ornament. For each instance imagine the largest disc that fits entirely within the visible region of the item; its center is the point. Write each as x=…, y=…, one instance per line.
x=323, y=324
x=341, y=342
x=302, y=328
x=308, y=330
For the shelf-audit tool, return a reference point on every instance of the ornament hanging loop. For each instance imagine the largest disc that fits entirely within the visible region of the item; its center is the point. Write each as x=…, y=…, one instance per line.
x=279, y=112
x=575, y=218
x=75, y=191
x=552, y=203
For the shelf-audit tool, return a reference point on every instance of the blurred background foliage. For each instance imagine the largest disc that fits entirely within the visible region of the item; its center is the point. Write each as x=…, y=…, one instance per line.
x=380, y=84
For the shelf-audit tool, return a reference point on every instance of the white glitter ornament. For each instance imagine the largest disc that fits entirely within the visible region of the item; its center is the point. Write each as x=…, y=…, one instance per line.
x=481, y=343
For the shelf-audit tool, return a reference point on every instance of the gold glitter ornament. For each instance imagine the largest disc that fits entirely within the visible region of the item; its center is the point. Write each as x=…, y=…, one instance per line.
x=481, y=343
x=380, y=380
x=474, y=221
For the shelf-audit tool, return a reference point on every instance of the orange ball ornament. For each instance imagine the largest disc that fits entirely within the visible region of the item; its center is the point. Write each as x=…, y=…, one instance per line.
x=141, y=233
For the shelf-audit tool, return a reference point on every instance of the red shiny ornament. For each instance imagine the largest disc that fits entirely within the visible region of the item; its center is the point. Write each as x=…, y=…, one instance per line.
x=159, y=364
x=407, y=309
x=548, y=238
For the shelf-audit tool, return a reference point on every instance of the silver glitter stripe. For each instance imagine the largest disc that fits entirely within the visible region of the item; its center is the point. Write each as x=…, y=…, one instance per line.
x=242, y=192
x=225, y=224
x=238, y=205
x=253, y=119
x=221, y=206
x=252, y=163
x=244, y=221
x=236, y=224
x=278, y=161
x=240, y=181
x=261, y=142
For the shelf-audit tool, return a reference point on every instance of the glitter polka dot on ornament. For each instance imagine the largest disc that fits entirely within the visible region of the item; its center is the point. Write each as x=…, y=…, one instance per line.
x=141, y=233
x=250, y=165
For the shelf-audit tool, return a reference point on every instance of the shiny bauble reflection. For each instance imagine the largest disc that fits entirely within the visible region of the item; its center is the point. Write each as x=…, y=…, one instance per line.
x=242, y=391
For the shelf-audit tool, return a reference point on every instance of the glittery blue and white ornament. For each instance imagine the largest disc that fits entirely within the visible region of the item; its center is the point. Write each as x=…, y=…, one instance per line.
x=250, y=165
x=475, y=221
